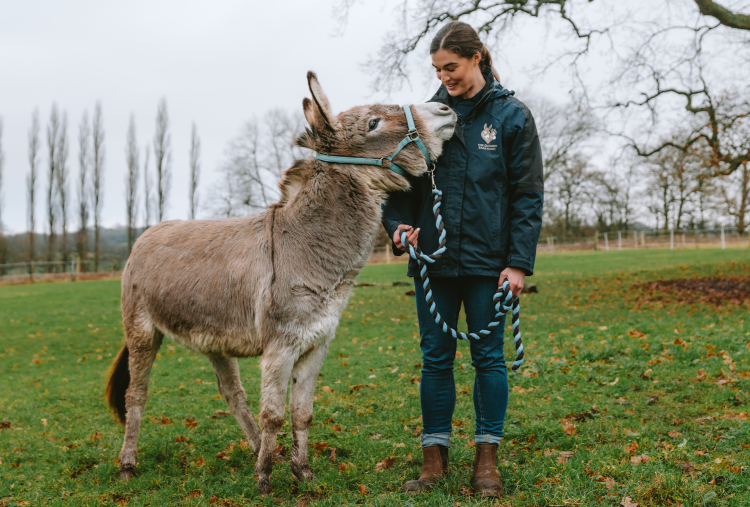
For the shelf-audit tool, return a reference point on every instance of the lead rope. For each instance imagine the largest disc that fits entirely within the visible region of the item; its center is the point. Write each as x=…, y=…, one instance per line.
x=503, y=298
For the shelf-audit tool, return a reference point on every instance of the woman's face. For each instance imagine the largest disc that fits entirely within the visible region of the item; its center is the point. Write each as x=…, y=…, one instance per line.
x=458, y=74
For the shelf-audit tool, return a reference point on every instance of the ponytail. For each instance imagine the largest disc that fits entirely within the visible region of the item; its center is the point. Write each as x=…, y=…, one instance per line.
x=460, y=38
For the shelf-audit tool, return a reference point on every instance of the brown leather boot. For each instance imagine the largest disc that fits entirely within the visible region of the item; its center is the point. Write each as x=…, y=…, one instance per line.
x=486, y=480
x=434, y=465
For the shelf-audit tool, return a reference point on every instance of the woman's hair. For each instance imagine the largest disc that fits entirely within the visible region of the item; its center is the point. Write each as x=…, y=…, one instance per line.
x=460, y=38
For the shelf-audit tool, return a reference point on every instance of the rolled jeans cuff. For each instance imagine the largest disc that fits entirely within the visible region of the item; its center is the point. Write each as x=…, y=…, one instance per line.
x=486, y=439
x=443, y=439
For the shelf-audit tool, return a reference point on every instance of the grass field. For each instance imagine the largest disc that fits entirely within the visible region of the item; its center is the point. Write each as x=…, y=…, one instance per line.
x=618, y=398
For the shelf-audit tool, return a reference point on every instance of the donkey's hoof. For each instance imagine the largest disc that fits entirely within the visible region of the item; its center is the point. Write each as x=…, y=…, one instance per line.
x=264, y=487
x=126, y=474
x=303, y=474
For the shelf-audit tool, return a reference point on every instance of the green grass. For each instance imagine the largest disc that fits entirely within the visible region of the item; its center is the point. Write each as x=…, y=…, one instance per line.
x=57, y=341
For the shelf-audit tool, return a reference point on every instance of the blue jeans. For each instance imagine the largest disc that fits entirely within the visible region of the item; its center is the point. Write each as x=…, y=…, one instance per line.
x=438, y=387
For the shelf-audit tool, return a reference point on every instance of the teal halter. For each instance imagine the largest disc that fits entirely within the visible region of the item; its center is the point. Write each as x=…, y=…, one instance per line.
x=411, y=137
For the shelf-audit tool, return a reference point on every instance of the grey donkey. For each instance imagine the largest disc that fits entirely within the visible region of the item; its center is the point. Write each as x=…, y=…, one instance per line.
x=272, y=285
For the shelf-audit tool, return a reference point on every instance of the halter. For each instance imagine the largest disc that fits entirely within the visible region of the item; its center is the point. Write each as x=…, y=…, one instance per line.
x=411, y=137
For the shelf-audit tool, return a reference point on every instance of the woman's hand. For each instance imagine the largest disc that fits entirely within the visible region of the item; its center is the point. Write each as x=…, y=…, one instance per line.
x=411, y=236
x=516, y=277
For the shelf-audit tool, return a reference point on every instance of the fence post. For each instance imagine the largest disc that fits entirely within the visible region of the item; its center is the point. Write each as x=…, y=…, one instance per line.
x=619, y=240
x=723, y=243
x=31, y=272
x=643, y=239
x=596, y=241
x=606, y=242
x=635, y=239
x=671, y=239
x=387, y=254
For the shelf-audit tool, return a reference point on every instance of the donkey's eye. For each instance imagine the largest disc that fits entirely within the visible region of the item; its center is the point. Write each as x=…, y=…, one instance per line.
x=373, y=124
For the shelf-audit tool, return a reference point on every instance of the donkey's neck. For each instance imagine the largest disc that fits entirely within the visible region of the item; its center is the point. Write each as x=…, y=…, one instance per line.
x=328, y=226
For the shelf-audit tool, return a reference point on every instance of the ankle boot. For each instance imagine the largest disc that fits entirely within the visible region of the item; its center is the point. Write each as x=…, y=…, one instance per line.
x=434, y=465
x=486, y=480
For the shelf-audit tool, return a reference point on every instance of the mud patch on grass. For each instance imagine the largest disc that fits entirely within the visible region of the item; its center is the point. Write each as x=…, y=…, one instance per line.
x=714, y=291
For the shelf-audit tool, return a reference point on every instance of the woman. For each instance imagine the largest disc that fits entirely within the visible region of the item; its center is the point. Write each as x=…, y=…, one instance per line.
x=490, y=174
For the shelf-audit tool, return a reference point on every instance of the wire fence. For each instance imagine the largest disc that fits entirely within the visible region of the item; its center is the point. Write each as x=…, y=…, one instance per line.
x=726, y=237
x=49, y=271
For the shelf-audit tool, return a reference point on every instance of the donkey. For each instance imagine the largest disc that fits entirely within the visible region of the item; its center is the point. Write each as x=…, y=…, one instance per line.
x=272, y=285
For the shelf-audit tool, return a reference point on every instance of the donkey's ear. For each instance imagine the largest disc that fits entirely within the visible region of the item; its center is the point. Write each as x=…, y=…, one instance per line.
x=307, y=108
x=323, y=115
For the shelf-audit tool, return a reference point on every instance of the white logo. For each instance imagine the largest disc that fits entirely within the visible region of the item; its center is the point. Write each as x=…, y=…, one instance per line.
x=488, y=134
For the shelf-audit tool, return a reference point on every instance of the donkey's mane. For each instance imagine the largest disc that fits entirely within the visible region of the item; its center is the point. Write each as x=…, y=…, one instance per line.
x=295, y=179
x=306, y=139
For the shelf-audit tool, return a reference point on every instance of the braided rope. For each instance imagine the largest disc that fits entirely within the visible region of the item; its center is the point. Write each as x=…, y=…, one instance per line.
x=503, y=298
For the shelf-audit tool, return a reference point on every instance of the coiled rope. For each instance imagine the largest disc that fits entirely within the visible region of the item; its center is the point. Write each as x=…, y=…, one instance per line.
x=503, y=298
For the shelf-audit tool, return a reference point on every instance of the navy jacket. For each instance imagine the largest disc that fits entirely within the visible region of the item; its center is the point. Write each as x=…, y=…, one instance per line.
x=491, y=176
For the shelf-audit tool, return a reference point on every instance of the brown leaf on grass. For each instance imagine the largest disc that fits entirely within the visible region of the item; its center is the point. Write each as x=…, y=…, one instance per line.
x=190, y=423
x=336, y=427
x=687, y=468
x=180, y=439
x=4, y=425
x=632, y=448
x=674, y=434
x=565, y=456
x=345, y=467
x=385, y=464
x=465, y=490
x=332, y=457
x=642, y=459
x=627, y=502
x=355, y=388
x=213, y=499
x=326, y=389
x=701, y=375
x=734, y=415
x=700, y=453
x=196, y=493
x=222, y=455
x=220, y=413
x=678, y=341
x=362, y=488
x=568, y=427
x=199, y=462
x=376, y=436
x=319, y=446
x=470, y=444
x=96, y=436
x=609, y=482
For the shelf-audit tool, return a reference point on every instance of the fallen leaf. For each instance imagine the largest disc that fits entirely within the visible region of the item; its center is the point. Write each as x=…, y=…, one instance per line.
x=630, y=449
x=568, y=428
x=700, y=453
x=394, y=370
x=326, y=389
x=196, y=493
x=44, y=422
x=459, y=354
x=222, y=455
x=615, y=381
x=386, y=463
x=362, y=488
x=320, y=446
x=332, y=457
x=609, y=482
x=213, y=499
x=375, y=436
x=674, y=434
x=336, y=427
x=220, y=413
x=642, y=459
x=200, y=461
x=189, y=422
x=345, y=467
x=627, y=502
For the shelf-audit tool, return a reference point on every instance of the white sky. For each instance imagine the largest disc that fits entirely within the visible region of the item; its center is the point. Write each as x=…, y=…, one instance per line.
x=217, y=63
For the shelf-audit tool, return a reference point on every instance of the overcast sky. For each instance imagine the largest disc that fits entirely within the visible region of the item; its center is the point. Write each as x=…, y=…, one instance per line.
x=218, y=64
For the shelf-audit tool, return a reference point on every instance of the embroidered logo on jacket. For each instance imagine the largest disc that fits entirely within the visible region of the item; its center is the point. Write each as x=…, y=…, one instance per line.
x=488, y=134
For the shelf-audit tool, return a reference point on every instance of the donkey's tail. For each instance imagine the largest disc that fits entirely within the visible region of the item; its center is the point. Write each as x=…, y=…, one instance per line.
x=119, y=380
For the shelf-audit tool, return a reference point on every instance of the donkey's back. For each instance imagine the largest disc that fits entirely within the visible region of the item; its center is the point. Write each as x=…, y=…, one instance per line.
x=200, y=282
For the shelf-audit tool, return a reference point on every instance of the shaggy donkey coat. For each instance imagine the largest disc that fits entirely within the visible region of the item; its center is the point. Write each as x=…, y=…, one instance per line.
x=272, y=285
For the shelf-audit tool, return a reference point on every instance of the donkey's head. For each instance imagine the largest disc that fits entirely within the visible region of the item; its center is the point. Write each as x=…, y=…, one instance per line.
x=374, y=132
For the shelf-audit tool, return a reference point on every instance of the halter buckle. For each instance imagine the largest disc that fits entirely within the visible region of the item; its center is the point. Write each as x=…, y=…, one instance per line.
x=413, y=135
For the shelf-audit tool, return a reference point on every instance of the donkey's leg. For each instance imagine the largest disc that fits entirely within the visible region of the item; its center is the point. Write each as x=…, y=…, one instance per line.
x=143, y=343
x=230, y=386
x=276, y=367
x=304, y=376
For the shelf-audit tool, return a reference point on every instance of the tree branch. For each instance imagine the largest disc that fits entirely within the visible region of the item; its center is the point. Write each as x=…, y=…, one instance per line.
x=724, y=15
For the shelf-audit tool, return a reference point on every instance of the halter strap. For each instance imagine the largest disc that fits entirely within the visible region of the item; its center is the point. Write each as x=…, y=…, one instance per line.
x=411, y=137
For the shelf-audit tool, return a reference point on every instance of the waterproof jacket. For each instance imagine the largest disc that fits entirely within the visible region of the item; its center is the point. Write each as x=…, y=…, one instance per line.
x=491, y=176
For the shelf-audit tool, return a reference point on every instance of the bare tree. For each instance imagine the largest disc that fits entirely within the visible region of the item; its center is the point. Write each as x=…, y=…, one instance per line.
x=33, y=154
x=147, y=183
x=84, y=133
x=131, y=181
x=195, y=169
x=563, y=131
x=162, y=157
x=97, y=193
x=735, y=194
x=254, y=162
x=669, y=63
x=61, y=166
x=3, y=241
x=53, y=127
x=569, y=187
